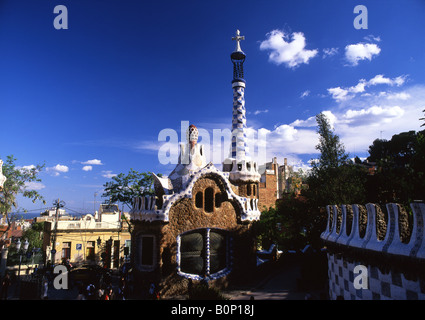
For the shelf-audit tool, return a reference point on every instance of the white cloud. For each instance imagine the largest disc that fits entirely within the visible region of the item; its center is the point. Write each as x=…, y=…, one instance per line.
x=87, y=168
x=34, y=186
x=108, y=174
x=95, y=162
x=342, y=94
x=372, y=38
x=361, y=51
x=57, y=169
x=329, y=52
x=288, y=49
x=256, y=112
x=358, y=123
x=305, y=94
x=60, y=168
x=380, y=79
x=398, y=96
x=373, y=115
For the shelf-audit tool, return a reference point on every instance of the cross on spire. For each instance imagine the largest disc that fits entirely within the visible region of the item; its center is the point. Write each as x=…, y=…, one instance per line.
x=238, y=38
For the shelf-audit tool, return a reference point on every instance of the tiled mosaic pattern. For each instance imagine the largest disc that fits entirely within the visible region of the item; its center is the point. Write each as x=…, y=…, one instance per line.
x=239, y=145
x=381, y=286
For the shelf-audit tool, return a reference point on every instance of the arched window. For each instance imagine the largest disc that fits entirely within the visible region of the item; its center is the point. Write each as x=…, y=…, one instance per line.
x=217, y=200
x=248, y=189
x=209, y=199
x=253, y=189
x=199, y=200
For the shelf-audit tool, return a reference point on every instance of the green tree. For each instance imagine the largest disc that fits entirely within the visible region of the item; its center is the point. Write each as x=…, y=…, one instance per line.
x=333, y=179
x=34, y=235
x=17, y=183
x=332, y=151
x=285, y=224
x=124, y=187
x=401, y=169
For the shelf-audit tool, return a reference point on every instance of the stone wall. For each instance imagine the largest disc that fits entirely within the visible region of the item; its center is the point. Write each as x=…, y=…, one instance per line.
x=267, y=192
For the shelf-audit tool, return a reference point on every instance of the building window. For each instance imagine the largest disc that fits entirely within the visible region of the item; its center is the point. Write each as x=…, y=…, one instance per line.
x=146, y=252
x=217, y=200
x=66, y=250
x=248, y=189
x=90, y=251
x=127, y=249
x=199, y=200
x=209, y=199
x=204, y=254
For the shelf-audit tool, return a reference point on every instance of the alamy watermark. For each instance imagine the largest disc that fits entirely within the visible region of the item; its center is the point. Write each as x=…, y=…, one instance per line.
x=360, y=21
x=216, y=146
x=361, y=279
x=61, y=280
x=61, y=20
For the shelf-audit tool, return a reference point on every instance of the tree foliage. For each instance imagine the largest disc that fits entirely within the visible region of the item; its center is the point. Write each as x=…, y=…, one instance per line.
x=333, y=179
x=17, y=183
x=124, y=187
x=332, y=151
x=400, y=164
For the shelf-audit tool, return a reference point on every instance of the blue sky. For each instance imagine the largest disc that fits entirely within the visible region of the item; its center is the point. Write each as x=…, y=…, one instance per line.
x=90, y=101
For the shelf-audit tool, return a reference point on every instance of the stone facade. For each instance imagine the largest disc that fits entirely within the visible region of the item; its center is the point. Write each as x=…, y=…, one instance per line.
x=186, y=216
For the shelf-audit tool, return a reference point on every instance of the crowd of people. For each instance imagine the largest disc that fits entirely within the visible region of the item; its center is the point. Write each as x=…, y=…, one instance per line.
x=103, y=292
x=100, y=285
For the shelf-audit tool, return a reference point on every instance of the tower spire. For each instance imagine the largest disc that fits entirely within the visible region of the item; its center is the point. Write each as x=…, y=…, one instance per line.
x=239, y=145
x=239, y=163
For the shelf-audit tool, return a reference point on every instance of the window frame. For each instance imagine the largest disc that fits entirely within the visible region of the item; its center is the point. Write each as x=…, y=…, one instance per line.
x=139, y=257
x=206, y=238
x=66, y=250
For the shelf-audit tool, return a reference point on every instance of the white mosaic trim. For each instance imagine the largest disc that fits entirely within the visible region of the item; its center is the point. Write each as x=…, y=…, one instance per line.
x=145, y=209
x=391, y=243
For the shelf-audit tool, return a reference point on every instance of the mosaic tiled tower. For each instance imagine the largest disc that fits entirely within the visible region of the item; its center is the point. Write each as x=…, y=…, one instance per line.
x=239, y=145
x=239, y=164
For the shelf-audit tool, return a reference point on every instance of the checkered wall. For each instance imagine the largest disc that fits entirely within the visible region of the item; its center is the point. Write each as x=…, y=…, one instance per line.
x=381, y=286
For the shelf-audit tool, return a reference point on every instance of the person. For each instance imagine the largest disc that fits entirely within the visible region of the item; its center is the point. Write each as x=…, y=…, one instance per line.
x=81, y=293
x=100, y=293
x=122, y=289
x=152, y=291
x=91, y=290
x=44, y=289
x=109, y=294
x=5, y=286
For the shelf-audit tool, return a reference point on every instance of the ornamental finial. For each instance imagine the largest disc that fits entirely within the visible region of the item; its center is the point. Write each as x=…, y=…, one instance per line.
x=238, y=38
